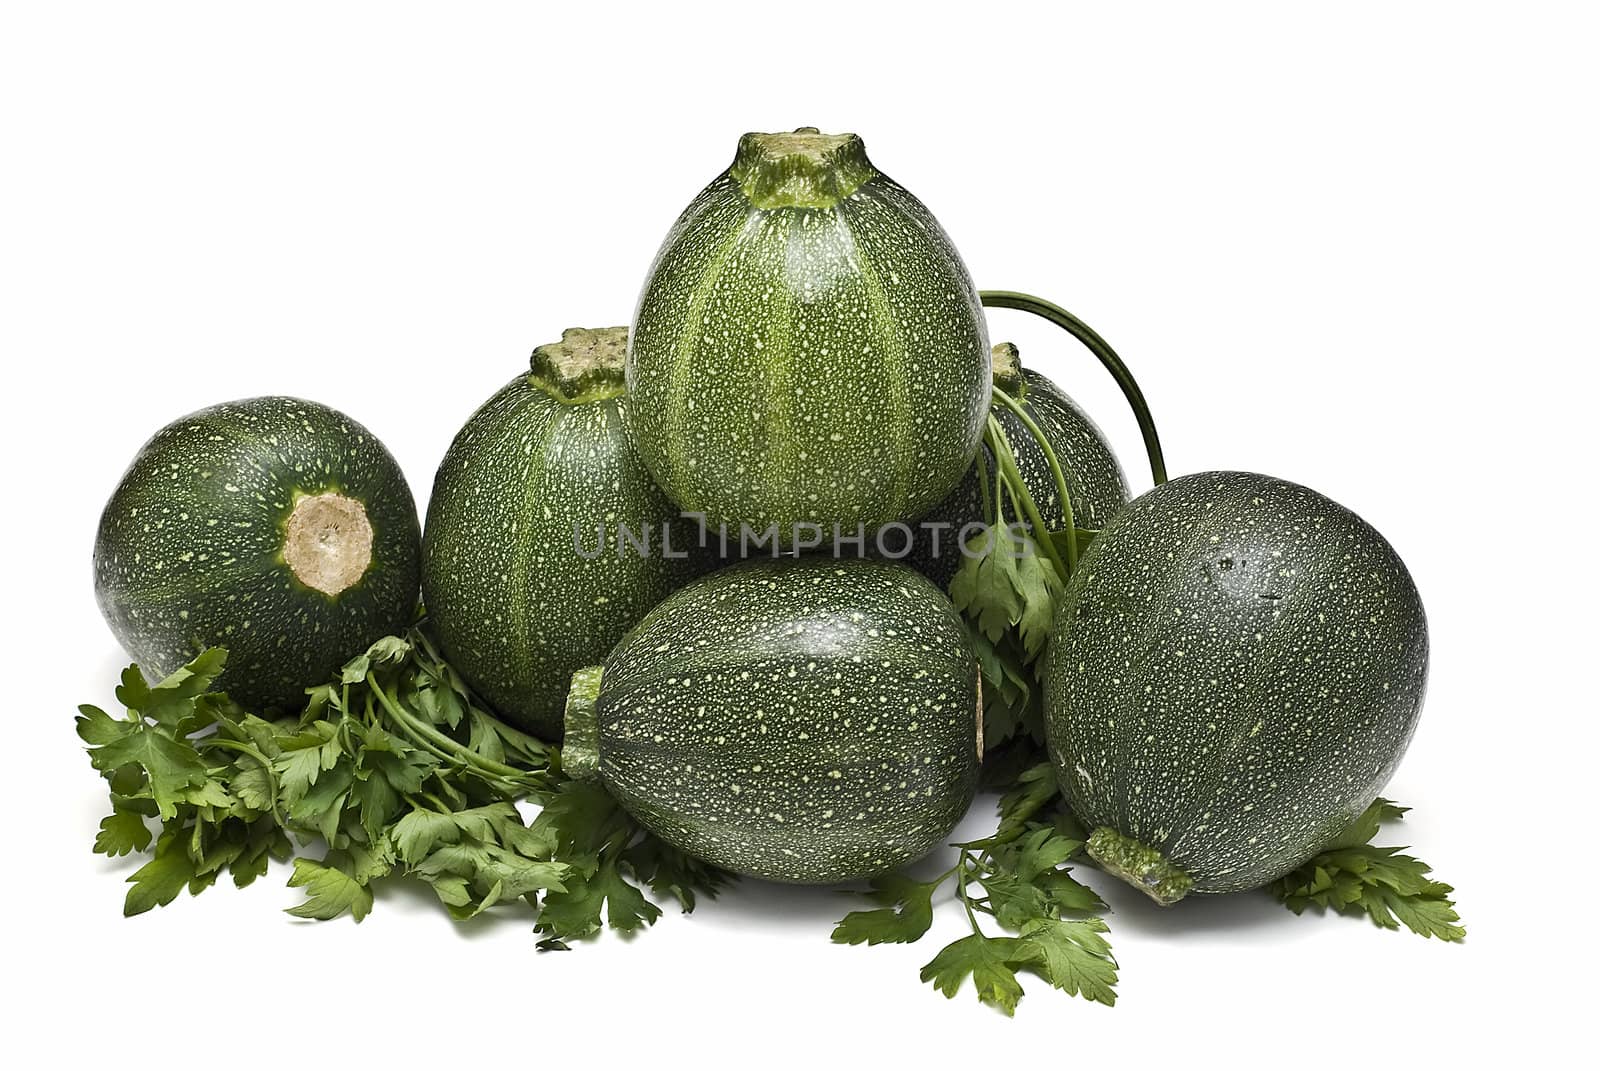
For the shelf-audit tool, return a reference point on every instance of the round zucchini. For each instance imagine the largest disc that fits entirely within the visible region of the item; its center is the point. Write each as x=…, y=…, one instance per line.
x=1237, y=668
x=546, y=539
x=808, y=348
x=275, y=527
x=798, y=719
x=1095, y=481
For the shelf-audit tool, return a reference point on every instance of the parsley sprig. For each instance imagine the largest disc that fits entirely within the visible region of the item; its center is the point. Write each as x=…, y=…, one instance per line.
x=1053, y=926
x=395, y=768
x=1355, y=877
x=1019, y=877
x=1007, y=587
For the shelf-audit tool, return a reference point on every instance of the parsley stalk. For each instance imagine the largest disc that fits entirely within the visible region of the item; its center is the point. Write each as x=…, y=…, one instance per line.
x=1006, y=462
x=1068, y=523
x=1052, y=923
x=430, y=739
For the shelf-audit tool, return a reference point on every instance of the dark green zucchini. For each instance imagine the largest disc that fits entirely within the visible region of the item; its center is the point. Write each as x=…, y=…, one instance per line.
x=808, y=348
x=1095, y=481
x=800, y=720
x=544, y=540
x=1237, y=668
x=275, y=527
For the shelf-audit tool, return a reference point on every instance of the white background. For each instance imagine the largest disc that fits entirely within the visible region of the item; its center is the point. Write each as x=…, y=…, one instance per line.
x=1352, y=245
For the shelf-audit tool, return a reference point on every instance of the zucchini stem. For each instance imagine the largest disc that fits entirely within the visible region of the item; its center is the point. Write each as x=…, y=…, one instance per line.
x=1139, y=865
x=1010, y=299
x=580, y=745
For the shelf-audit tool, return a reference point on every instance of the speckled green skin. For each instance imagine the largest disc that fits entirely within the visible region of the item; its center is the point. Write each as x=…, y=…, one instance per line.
x=808, y=365
x=1238, y=666
x=1094, y=477
x=800, y=720
x=189, y=552
x=516, y=608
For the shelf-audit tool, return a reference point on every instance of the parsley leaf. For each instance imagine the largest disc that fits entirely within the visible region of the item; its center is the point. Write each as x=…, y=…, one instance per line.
x=1354, y=877
x=121, y=832
x=1032, y=790
x=576, y=911
x=907, y=916
x=159, y=881
x=171, y=766
x=604, y=848
x=988, y=587
x=670, y=873
x=990, y=961
x=1071, y=955
x=329, y=892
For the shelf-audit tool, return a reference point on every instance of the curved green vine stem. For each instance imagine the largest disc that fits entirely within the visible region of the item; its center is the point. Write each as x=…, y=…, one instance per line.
x=1055, y=470
x=1010, y=299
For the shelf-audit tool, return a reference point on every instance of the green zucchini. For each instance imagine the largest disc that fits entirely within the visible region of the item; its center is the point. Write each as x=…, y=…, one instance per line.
x=544, y=540
x=275, y=527
x=808, y=348
x=1095, y=480
x=1237, y=667
x=797, y=719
